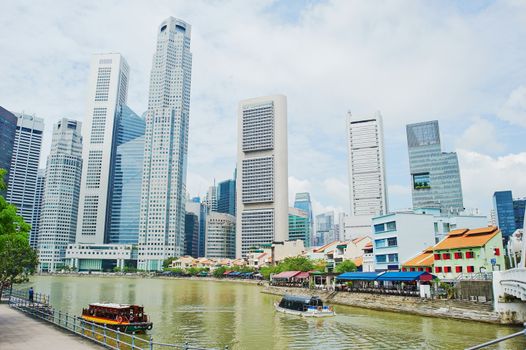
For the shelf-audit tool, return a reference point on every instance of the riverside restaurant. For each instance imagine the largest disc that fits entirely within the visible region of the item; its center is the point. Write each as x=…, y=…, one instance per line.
x=390, y=282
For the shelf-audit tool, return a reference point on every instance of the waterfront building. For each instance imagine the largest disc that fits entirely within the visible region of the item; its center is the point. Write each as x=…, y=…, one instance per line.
x=303, y=202
x=273, y=253
x=220, y=236
x=37, y=209
x=368, y=258
x=226, y=197
x=509, y=212
x=101, y=257
x=107, y=91
x=468, y=251
x=325, y=231
x=435, y=175
x=262, y=179
x=23, y=173
x=8, y=123
x=191, y=235
x=162, y=219
x=58, y=219
x=398, y=236
x=367, y=180
x=421, y=262
x=299, y=226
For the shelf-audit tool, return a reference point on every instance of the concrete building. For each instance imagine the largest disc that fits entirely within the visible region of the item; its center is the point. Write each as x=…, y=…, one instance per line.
x=161, y=228
x=435, y=175
x=8, y=123
x=302, y=202
x=23, y=174
x=37, y=209
x=367, y=180
x=220, y=235
x=211, y=198
x=299, y=226
x=107, y=91
x=58, y=219
x=100, y=257
x=262, y=177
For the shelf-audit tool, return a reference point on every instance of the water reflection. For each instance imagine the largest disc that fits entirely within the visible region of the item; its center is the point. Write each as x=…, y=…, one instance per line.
x=215, y=314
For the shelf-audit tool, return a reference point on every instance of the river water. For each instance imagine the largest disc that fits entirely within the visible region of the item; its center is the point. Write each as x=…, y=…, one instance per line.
x=215, y=314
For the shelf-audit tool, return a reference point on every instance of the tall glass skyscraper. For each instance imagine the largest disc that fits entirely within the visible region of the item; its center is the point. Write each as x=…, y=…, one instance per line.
x=127, y=178
x=58, y=219
x=302, y=201
x=7, y=139
x=162, y=219
x=226, y=197
x=435, y=175
x=299, y=226
x=509, y=212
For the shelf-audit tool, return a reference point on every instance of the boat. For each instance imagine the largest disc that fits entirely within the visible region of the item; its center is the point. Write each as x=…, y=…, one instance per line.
x=304, y=306
x=122, y=317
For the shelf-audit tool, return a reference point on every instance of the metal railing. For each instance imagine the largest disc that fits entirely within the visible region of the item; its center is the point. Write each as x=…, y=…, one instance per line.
x=498, y=340
x=40, y=308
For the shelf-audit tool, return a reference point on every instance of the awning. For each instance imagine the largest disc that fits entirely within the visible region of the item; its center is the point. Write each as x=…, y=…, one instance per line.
x=406, y=276
x=358, y=276
x=302, y=275
x=286, y=274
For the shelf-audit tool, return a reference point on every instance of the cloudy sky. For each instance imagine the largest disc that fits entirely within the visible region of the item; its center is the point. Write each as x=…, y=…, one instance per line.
x=462, y=63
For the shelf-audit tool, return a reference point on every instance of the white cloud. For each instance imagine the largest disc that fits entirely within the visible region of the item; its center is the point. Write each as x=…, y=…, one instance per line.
x=481, y=135
x=514, y=109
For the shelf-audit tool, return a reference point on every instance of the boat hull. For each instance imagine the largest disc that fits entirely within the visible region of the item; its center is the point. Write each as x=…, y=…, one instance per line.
x=313, y=313
x=127, y=327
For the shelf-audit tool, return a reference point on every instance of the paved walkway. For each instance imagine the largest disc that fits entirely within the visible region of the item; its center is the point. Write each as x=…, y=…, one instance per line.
x=21, y=332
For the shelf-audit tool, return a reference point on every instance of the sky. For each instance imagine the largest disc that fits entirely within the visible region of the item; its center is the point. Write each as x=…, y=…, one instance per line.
x=461, y=63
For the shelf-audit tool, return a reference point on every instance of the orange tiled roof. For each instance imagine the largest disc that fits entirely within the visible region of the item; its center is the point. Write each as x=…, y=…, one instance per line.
x=325, y=247
x=467, y=238
x=424, y=259
x=358, y=261
x=358, y=239
x=368, y=245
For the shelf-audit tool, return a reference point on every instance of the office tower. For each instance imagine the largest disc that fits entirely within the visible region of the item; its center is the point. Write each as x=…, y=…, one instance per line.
x=299, y=226
x=191, y=235
x=195, y=206
x=161, y=228
x=519, y=207
x=226, y=197
x=262, y=177
x=8, y=123
x=509, y=212
x=211, y=198
x=58, y=219
x=126, y=178
x=22, y=183
x=302, y=201
x=107, y=90
x=325, y=232
x=220, y=236
x=435, y=175
x=367, y=181
x=35, y=219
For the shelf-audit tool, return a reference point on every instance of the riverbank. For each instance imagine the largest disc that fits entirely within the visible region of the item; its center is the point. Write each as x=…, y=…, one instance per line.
x=417, y=306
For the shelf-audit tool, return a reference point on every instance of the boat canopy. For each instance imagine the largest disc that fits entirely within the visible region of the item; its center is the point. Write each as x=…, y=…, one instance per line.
x=358, y=276
x=406, y=276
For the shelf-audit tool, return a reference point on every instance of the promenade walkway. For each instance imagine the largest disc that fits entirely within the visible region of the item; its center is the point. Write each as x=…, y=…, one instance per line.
x=21, y=332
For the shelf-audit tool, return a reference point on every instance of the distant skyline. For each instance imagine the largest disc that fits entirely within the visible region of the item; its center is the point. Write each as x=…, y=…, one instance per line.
x=461, y=63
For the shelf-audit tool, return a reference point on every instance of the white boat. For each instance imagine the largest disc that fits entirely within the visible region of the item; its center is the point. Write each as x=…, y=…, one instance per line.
x=304, y=306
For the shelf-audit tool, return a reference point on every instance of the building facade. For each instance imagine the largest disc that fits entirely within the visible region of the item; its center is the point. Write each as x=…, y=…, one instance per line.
x=107, y=91
x=23, y=174
x=503, y=205
x=195, y=206
x=262, y=176
x=220, y=236
x=367, y=181
x=191, y=235
x=325, y=229
x=226, y=197
x=435, y=175
x=37, y=209
x=299, y=226
x=162, y=218
x=8, y=123
x=302, y=202
x=58, y=219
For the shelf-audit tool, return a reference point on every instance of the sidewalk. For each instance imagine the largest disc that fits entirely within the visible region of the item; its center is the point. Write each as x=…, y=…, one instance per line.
x=21, y=332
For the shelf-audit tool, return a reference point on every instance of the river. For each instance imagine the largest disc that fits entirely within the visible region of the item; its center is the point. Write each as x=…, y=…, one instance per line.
x=215, y=314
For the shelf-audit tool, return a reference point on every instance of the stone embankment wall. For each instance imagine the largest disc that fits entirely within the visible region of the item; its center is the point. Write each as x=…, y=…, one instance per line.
x=411, y=305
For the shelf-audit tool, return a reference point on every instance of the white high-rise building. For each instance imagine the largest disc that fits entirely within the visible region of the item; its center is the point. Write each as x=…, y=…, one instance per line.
x=220, y=236
x=107, y=90
x=262, y=176
x=37, y=208
x=22, y=184
x=58, y=219
x=367, y=181
x=162, y=217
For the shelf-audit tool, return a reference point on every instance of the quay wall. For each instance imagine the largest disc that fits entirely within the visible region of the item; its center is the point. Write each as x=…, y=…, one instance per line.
x=412, y=305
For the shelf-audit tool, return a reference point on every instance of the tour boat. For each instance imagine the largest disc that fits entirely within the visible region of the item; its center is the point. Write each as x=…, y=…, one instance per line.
x=122, y=317
x=304, y=306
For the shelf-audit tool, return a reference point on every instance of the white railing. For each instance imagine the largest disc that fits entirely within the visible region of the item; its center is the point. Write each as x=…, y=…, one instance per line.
x=513, y=282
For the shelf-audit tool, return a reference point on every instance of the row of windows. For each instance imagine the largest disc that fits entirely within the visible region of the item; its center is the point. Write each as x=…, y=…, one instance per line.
x=458, y=269
x=383, y=227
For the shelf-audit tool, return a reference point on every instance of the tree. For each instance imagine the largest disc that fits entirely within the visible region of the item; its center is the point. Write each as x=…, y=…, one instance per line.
x=168, y=261
x=218, y=273
x=296, y=263
x=345, y=266
x=17, y=259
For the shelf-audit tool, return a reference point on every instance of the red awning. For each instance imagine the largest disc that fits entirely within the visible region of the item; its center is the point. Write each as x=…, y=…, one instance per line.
x=286, y=274
x=302, y=275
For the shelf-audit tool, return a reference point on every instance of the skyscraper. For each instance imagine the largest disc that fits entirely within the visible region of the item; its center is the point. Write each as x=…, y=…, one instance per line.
x=58, y=219
x=35, y=219
x=107, y=91
x=226, y=197
x=194, y=206
x=22, y=183
x=435, y=175
x=509, y=212
x=161, y=228
x=220, y=235
x=302, y=201
x=299, y=226
x=367, y=181
x=211, y=198
x=191, y=235
x=262, y=176
x=8, y=123
x=325, y=230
